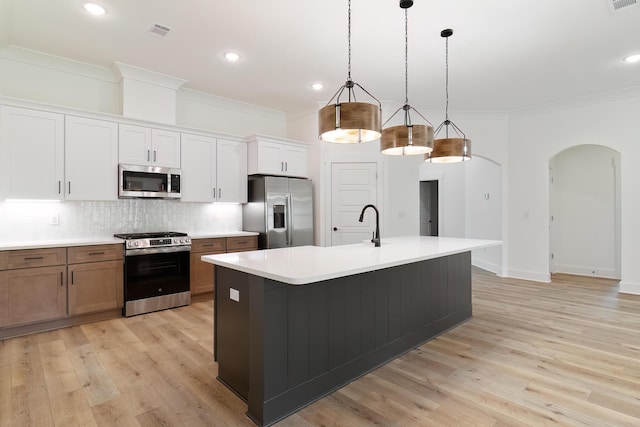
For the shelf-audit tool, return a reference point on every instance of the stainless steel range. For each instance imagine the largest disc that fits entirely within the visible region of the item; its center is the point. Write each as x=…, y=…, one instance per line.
x=156, y=271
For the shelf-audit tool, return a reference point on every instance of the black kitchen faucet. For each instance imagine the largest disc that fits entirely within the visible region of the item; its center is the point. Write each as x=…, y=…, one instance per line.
x=376, y=236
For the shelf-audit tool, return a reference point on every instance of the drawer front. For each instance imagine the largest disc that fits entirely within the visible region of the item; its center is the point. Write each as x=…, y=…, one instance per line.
x=94, y=253
x=245, y=243
x=29, y=258
x=216, y=245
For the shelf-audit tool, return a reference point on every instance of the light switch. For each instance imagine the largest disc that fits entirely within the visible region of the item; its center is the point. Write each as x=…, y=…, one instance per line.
x=234, y=294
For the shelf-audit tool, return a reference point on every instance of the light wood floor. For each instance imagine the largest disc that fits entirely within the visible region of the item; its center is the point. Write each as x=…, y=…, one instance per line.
x=564, y=353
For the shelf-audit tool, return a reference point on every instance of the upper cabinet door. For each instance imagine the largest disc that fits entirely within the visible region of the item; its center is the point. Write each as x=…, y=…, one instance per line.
x=198, y=157
x=134, y=145
x=141, y=145
x=296, y=161
x=31, y=154
x=91, y=159
x=231, y=171
x=270, y=158
x=165, y=148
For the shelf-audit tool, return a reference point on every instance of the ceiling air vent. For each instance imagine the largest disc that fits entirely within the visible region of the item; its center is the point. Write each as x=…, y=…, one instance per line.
x=161, y=30
x=617, y=6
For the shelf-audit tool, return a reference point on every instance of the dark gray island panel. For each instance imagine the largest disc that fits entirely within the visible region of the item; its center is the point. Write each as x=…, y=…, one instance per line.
x=299, y=343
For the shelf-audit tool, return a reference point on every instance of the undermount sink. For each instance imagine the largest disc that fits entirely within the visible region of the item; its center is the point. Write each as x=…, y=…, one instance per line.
x=368, y=242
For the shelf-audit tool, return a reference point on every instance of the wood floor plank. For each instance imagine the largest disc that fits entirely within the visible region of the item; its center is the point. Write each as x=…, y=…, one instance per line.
x=559, y=353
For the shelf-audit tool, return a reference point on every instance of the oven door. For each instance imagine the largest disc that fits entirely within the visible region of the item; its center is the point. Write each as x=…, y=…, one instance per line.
x=155, y=272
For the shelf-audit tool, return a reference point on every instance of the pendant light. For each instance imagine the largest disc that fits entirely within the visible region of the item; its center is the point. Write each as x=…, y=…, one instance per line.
x=449, y=149
x=406, y=139
x=351, y=121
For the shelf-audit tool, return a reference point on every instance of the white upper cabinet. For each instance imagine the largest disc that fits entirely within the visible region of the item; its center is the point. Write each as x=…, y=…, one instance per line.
x=213, y=170
x=91, y=159
x=31, y=154
x=198, y=180
x=140, y=145
x=232, y=171
x=272, y=156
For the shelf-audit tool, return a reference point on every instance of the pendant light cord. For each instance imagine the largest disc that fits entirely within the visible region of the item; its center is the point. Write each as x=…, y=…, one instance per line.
x=446, y=80
x=349, y=42
x=406, y=56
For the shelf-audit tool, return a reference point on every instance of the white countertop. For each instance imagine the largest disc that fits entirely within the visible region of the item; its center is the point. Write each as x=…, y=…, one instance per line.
x=206, y=235
x=59, y=243
x=308, y=264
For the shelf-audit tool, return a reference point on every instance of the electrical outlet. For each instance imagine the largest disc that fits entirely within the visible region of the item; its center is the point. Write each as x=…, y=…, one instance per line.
x=54, y=220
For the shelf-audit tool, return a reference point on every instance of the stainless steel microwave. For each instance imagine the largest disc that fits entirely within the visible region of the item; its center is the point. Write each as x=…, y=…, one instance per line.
x=135, y=181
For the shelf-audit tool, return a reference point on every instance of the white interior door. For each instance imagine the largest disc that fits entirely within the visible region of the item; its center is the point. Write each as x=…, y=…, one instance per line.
x=353, y=185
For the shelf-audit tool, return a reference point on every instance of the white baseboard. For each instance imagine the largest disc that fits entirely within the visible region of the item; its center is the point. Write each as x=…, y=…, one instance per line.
x=586, y=271
x=630, y=288
x=486, y=265
x=528, y=275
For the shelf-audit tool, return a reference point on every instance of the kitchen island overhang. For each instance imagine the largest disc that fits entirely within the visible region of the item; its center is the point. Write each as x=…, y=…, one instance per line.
x=294, y=324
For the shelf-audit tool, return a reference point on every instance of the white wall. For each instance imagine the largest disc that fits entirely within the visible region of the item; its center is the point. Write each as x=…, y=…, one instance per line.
x=53, y=80
x=583, y=211
x=536, y=136
x=483, y=182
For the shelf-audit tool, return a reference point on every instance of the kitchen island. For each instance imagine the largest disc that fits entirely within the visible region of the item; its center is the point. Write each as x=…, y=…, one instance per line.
x=294, y=324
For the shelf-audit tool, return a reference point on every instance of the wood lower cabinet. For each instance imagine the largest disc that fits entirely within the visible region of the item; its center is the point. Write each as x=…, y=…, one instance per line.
x=241, y=244
x=34, y=286
x=95, y=278
x=202, y=273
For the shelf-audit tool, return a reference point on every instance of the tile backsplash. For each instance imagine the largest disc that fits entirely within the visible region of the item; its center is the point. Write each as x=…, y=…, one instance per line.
x=28, y=221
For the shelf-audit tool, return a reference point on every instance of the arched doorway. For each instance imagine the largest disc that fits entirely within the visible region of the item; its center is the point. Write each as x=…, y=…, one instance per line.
x=584, y=208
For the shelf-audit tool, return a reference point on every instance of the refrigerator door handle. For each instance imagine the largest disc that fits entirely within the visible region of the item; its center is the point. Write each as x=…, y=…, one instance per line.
x=289, y=217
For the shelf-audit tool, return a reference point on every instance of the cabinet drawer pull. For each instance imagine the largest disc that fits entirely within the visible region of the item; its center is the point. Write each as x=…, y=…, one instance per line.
x=31, y=258
x=61, y=277
x=96, y=253
x=242, y=242
x=72, y=278
x=207, y=244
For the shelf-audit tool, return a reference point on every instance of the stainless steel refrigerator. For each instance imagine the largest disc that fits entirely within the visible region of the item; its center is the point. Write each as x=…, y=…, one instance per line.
x=281, y=210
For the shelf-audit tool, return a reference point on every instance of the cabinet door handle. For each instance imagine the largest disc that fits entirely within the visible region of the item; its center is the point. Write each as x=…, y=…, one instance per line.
x=286, y=166
x=154, y=155
x=219, y=193
x=214, y=193
x=282, y=166
x=31, y=258
x=61, y=279
x=69, y=187
x=72, y=278
x=148, y=155
x=59, y=187
x=96, y=253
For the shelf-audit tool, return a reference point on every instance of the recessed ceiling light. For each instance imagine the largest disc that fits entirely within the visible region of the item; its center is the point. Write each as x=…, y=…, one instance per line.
x=317, y=86
x=232, y=56
x=631, y=59
x=94, y=8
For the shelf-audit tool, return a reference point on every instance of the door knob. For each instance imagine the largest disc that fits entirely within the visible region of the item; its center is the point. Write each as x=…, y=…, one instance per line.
x=335, y=228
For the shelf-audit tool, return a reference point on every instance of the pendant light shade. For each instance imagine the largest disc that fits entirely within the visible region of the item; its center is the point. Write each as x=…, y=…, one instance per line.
x=406, y=139
x=350, y=122
x=448, y=149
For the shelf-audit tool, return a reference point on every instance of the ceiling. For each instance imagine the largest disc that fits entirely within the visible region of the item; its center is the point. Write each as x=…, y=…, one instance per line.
x=505, y=55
